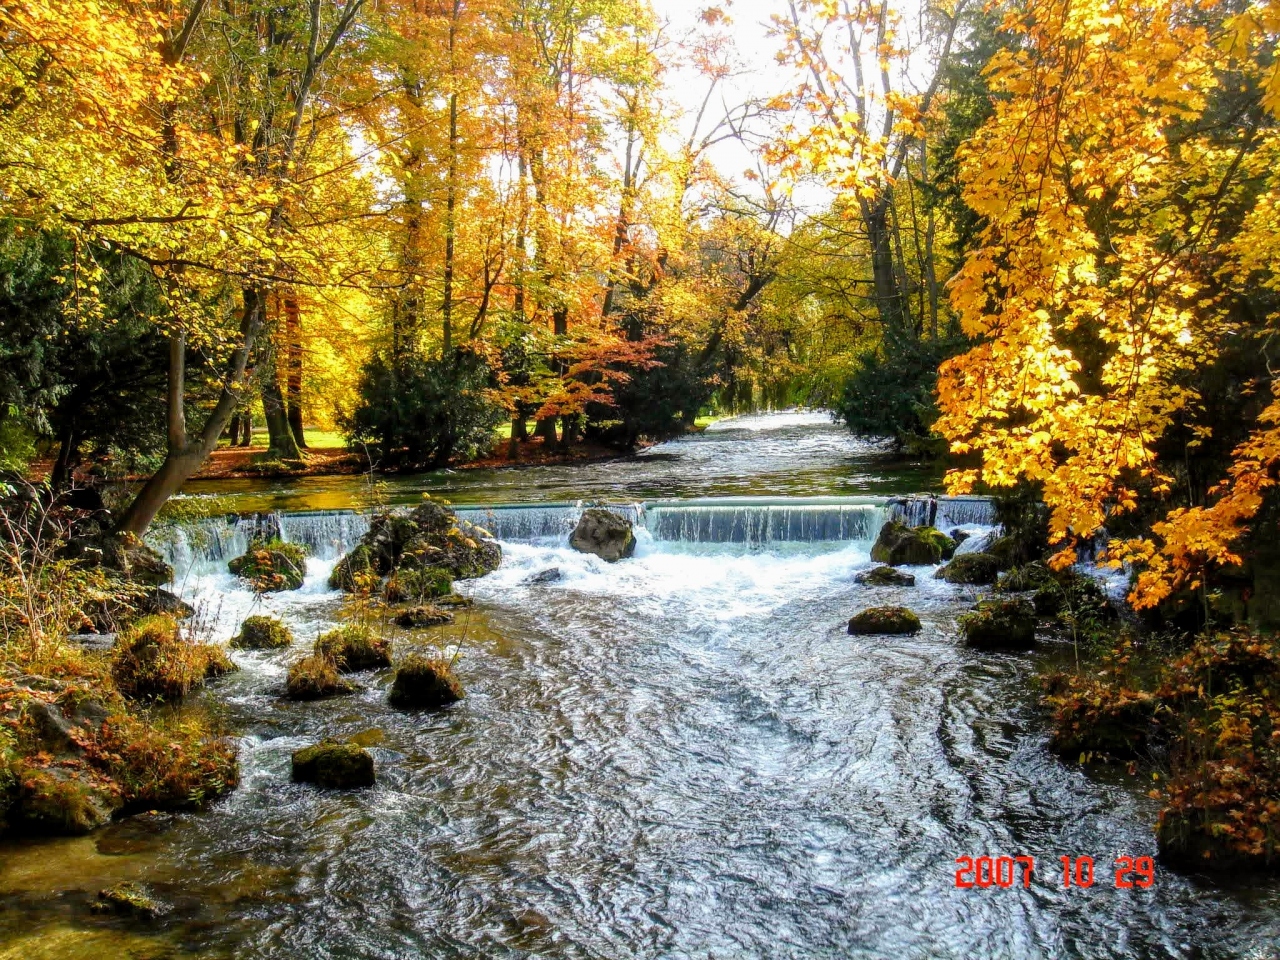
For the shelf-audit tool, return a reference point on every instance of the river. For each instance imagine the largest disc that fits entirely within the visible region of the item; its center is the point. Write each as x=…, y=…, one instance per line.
x=680, y=755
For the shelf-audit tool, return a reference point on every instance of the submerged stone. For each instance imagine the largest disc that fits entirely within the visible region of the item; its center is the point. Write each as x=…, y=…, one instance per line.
x=550, y=575
x=333, y=764
x=1000, y=625
x=425, y=683
x=885, y=577
x=423, y=616
x=604, y=534
x=130, y=900
x=884, y=620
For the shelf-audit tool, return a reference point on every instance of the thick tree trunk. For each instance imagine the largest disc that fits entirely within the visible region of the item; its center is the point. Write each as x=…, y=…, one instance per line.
x=293, y=369
x=281, y=444
x=185, y=456
x=546, y=429
x=888, y=293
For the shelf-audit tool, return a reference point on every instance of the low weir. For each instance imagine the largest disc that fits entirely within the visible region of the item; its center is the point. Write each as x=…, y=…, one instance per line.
x=752, y=522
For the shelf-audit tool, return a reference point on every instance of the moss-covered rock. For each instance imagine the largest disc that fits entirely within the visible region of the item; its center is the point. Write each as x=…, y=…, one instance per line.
x=1000, y=625
x=414, y=586
x=453, y=601
x=1029, y=576
x=333, y=764
x=152, y=661
x=352, y=568
x=63, y=800
x=885, y=577
x=354, y=647
x=315, y=678
x=430, y=536
x=270, y=566
x=423, y=616
x=971, y=568
x=425, y=683
x=130, y=900
x=262, y=633
x=124, y=554
x=898, y=544
x=879, y=620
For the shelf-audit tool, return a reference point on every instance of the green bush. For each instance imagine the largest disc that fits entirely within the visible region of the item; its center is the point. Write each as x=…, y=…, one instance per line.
x=422, y=413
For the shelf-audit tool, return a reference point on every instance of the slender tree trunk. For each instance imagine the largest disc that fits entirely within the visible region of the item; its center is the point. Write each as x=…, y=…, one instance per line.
x=293, y=369
x=185, y=456
x=887, y=293
x=61, y=474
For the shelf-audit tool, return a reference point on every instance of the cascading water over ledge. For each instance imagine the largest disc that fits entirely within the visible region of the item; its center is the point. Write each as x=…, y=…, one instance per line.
x=752, y=521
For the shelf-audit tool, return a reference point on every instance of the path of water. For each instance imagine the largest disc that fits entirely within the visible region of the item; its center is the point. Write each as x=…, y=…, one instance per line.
x=680, y=755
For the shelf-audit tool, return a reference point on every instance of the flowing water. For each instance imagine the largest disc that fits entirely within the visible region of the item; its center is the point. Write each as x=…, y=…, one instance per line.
x=680, y=755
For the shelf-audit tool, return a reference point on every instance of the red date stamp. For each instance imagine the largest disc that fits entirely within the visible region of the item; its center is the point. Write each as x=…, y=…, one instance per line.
x=985, y=872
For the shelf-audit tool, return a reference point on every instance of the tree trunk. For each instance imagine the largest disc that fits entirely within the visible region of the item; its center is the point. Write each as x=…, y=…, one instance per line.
x=546, y=429
x=246, y=429
x=184, y=456
x=293, y=369
x=887, y=291
x=61, y=474
x=281, y=444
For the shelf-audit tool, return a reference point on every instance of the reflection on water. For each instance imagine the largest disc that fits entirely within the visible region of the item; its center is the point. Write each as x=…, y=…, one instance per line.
x=790, y=454
x=680, y=755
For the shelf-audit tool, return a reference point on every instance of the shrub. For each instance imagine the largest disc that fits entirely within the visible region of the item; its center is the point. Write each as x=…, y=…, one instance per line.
x=354, y=647
x=176, y=767
x=421, y=413
x=271, y=565
x=153, y=662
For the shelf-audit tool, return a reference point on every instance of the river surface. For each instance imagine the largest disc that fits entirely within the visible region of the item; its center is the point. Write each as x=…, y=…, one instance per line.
x=682, y=755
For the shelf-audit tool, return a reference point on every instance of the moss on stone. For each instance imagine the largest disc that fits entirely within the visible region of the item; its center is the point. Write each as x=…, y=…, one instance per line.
x=1000, y=625
x=898, y=544
x=270, y=566
x=130, y=900
x=884, y=620
x=262, y=633
x=885, y=576
x=971, y=568
x=152, y=661
x=423, y=616
x=415, y=585
x=354, y=647
x=425, y=683
x=315, y=678
x=334, y=764
x=353, y=567
x=1029, y=576
x=60, y=800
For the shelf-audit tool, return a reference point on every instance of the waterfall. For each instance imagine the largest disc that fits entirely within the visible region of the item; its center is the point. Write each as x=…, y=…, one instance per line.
x=327, y=534
x=943, y=512
x=211, y=540
x=762, y=523
x=520, y=523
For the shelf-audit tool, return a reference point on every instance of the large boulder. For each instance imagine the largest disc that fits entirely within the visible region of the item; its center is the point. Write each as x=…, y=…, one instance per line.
x=431, y=537
x=605, y=534
x=124, y=554
x=425, y=683
x=898, y=544
x=333, y=764
x=971, y=568
x=262, y=633
x=885, y=577
x=269, y=566
x=1000, y=625
x=884, y=620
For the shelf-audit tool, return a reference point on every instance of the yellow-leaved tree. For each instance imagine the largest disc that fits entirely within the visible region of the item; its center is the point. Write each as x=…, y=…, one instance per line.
x=1126, y=269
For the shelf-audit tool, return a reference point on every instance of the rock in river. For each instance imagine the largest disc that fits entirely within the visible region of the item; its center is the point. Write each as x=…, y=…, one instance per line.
x=884, y=620
x=885, y=577
x=331, y=763
x=605, y=534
